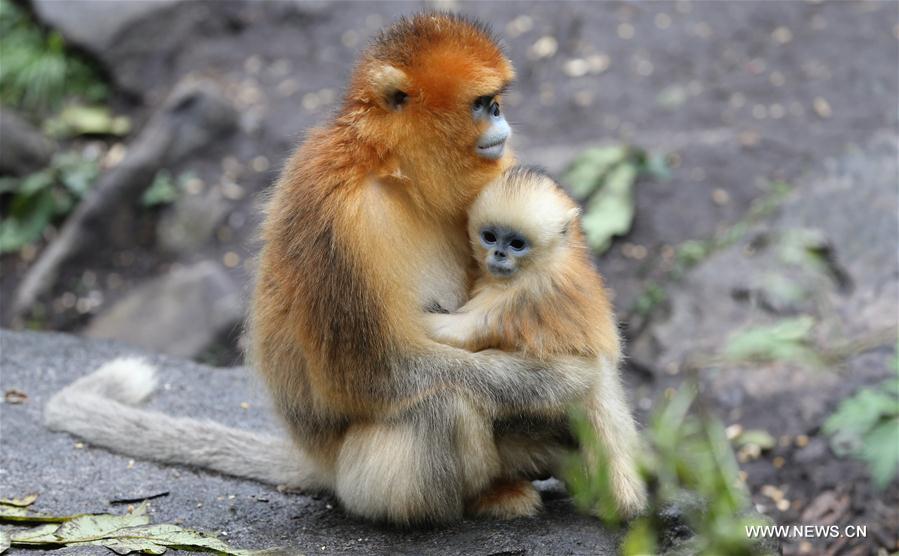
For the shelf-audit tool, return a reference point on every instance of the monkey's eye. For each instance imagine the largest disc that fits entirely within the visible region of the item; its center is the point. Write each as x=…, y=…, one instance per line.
x=488, y=237
x=482, y=103
x=518, y=244
x=398, y=99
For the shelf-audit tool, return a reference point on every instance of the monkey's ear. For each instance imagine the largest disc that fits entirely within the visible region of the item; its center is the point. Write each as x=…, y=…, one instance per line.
x=389, y=85
x=570, y=218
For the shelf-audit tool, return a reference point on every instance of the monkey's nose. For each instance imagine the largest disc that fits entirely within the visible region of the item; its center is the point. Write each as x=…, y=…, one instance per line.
x=500, y=255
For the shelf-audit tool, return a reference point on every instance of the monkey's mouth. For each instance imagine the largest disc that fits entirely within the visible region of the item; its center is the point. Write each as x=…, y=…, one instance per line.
x=492, y=150
x=500, y=270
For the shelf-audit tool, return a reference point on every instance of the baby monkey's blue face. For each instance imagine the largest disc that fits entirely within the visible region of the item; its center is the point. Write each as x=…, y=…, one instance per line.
x=505, y=248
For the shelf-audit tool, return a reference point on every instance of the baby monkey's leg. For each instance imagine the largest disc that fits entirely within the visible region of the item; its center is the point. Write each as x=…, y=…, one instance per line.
x=610, y=418
x=528, y=449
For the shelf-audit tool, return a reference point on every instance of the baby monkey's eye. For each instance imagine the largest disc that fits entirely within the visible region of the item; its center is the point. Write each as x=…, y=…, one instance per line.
x=517, y=244
x=488, y=237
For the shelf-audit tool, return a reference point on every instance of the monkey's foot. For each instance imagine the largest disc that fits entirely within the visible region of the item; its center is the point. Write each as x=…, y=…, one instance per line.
x=630, y=493
x=507, y=499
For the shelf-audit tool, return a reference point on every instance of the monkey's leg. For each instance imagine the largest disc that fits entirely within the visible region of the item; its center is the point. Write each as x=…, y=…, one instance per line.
x=608, y=413
x=528, y=449
x=419, y=467
x=507, y=499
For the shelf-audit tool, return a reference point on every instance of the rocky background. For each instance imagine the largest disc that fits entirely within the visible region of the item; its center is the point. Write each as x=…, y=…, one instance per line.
x=764, y=266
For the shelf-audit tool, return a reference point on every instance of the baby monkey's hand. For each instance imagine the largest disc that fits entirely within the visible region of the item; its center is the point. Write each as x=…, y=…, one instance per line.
x=449, y=328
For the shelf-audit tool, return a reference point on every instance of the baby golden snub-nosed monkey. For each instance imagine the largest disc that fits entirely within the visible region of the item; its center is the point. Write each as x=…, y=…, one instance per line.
x=538, y=294
x=365, y=226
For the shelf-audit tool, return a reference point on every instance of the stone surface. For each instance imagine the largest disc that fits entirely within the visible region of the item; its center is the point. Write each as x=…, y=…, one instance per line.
x=190, y=222
x=179, y=313
x=848, y=208
x=24, y=148
x=72, y=478
x=94, y=24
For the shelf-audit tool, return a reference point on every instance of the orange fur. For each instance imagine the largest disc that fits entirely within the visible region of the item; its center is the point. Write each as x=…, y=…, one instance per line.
x=326, y=210
x=364, y=230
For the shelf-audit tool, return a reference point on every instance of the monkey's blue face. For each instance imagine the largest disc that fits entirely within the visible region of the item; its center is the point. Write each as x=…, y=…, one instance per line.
x=505, y=249
x=492, y=142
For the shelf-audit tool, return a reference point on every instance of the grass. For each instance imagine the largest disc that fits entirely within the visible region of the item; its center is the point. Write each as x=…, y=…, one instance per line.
x=688, y=464
x=37, y=71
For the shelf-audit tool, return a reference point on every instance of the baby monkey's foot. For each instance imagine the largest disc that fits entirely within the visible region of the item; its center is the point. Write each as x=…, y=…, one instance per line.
x=507, y=499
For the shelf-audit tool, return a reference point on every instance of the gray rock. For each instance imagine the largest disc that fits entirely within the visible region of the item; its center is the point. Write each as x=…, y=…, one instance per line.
x=93, y=24
x=190, y=222
x=70, y=478
x=24, y=149
x=180, y=313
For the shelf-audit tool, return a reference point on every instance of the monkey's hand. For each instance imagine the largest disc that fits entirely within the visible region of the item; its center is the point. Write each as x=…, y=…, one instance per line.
x=451, y=328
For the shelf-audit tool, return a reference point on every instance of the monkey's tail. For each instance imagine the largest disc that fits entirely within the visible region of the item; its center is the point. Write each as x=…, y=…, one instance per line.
x=100, y=409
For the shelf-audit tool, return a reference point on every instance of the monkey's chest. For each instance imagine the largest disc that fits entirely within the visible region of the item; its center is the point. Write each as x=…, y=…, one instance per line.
x=441, y=278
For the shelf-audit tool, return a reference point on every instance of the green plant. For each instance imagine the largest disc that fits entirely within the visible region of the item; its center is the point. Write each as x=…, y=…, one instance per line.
x=686, y=457
x=651, y=297
x=603, y=179
x=36, y=71
x=866, y=426
x=165, y=189
x=789, y=340
x=35, y=201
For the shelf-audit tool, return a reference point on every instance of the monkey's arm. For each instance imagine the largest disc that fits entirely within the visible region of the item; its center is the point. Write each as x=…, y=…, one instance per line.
x=464, y=330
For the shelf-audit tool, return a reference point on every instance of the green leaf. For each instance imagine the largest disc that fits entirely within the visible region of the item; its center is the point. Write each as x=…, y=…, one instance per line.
x=881, y=452
x=122, y=534
x=162, y=191
x=20, y=502
x=35, y=183
x=788, y=340
x=42, y=535
x=38, y=72
x=93, y=527
x=640, y=539
x=757, y=437
x=610, y=211
x=859, y=413
x=77, y=173
x=17, y=231
x=77, y=120
x=655, y=165
x=23, y=515
x=803, y=247
x=127, y=546
x=586, y=172
x=5, y=541
x=178, y=537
